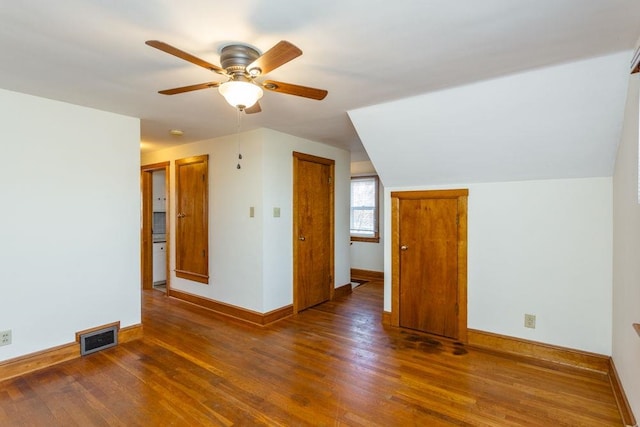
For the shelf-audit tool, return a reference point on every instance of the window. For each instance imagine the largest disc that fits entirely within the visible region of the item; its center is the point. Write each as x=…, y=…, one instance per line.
x=364, y=209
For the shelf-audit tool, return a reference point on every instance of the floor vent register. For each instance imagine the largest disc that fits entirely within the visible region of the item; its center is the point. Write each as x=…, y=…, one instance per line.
x=98, y=340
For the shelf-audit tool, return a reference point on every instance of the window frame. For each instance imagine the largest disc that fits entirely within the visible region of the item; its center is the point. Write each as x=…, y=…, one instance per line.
x=376, y=211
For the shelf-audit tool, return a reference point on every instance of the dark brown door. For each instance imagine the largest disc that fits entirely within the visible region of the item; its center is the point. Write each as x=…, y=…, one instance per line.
x=192, y=219
x=313, y=230
x=429, y=265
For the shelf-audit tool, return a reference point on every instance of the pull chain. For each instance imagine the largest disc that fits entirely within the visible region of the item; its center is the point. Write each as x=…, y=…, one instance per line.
x=238, y=137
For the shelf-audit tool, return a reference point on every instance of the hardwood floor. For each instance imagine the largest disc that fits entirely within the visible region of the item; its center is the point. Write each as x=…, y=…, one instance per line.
x=334, y=364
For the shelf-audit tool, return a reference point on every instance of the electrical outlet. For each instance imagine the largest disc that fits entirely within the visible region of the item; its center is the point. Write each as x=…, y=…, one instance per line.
x=5, y=337
x=530, y=321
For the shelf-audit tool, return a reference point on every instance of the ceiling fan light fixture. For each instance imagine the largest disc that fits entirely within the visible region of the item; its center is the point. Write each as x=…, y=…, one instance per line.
x=240, y=94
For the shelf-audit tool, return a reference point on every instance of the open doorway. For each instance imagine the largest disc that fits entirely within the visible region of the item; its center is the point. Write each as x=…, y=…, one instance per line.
x=154, y=236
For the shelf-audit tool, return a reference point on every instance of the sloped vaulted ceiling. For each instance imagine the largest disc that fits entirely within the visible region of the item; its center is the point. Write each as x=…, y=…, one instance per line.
x=557, y=122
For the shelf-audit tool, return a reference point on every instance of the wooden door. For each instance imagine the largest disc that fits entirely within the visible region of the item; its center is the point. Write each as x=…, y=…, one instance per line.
x=192, y=219
x=313, y=230
x=431, y=261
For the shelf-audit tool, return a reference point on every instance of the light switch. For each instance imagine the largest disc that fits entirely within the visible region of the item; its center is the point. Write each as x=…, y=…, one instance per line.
x=276, y=212
x=252, y=212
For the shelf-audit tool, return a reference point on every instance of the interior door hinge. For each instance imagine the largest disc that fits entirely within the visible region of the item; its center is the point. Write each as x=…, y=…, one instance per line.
x=204, y=252
x=329, y=180
x=330, y=279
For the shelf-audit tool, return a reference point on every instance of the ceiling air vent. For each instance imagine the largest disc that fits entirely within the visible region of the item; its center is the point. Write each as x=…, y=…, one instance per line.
x=98, y=340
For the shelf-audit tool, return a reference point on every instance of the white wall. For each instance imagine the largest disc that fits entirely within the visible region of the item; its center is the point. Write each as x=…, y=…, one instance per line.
x=369, y=255
x=250, y=262
x=278, y=192
x=626, y=250
x=70, y=251
x=235, y=259
x=538, y=247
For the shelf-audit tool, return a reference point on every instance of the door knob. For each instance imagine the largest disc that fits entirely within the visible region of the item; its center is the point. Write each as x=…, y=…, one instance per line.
x=404, y=248
x=301, y=238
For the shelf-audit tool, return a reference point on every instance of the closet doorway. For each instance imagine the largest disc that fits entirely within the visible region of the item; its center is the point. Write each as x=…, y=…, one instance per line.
x=429, y=261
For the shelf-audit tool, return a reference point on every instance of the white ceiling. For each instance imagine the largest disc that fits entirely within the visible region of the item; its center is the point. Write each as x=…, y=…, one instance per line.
x=364, y=52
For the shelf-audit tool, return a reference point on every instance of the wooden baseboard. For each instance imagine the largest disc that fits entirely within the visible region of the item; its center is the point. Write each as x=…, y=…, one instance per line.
x=367, y=274
x=277, y=314
x=537, y=350
x=249, y=316
x=386, y=318
x=130, y=333
x=342, y=291
x=621, y=398
x=35, y=361
x=52, y=356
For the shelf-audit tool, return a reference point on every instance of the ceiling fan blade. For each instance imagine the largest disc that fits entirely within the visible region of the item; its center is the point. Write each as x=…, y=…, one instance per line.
x=278, y=55
x=184, y=55
x=255, y=108
x=291, y=89
x=189, y=88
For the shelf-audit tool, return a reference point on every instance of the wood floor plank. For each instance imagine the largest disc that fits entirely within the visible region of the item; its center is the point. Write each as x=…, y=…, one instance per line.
x=334, y=364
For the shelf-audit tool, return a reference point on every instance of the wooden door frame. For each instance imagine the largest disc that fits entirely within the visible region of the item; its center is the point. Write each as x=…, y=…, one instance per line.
x=297, y=157
x=146, y=228
x=461, y=195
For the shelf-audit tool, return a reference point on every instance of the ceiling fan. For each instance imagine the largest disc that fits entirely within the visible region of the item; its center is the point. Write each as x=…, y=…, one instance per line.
x=242, y=65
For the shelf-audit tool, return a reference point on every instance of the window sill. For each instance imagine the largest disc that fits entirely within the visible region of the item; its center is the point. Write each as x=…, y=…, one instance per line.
x=365, y=239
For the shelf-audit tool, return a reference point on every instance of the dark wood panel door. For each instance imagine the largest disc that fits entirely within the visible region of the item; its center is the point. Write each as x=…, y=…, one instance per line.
x=192, y=218
x=313, y=231
x=428, y=265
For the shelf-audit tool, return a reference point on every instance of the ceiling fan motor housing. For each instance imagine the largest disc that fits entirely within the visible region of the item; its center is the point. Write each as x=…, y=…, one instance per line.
x=235, y=58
